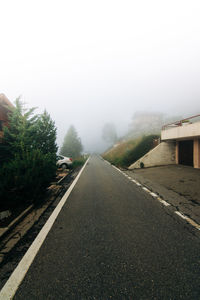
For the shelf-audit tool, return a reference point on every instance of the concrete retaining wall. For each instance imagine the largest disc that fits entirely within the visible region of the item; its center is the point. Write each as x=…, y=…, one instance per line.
x=163, y=154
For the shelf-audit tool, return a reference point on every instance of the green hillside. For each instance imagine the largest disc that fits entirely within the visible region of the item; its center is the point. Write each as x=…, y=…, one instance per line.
x=127, y=152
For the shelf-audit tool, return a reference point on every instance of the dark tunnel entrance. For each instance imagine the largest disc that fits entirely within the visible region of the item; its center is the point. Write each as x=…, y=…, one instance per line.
x=186, y=152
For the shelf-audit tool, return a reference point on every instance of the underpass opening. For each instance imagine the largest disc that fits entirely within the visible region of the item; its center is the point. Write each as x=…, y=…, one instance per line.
x=186, y=152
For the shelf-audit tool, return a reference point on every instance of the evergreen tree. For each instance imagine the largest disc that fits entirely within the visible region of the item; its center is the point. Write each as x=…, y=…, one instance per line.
x=45, y=135
x=72, y=145
x=18, y=137
x=30, y=164
x=27, y=131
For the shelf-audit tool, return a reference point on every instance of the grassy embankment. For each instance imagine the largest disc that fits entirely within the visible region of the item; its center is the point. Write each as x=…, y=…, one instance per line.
x=127, y=152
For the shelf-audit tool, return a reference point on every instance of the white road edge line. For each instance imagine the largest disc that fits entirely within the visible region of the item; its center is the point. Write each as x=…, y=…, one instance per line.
x=154, y=195
x=9, y=289
x=116, y=168
x=145, y=189
x=163, y=202
x=180, y=215
x=193, y=223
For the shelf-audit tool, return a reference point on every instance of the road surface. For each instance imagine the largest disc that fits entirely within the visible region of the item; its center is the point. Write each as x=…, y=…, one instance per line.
x=112, y=240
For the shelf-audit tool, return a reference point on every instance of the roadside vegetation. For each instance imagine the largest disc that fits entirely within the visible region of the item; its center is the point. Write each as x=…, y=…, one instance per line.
x=127, y=152
x=72, y=145
x=79, y=161
x=143, y=129
x=27, y=156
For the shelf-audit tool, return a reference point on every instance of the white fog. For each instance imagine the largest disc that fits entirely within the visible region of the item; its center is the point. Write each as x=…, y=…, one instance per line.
x=93, y=62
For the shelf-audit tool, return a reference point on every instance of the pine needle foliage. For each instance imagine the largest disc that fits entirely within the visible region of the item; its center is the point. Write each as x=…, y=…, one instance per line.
x=30, y=161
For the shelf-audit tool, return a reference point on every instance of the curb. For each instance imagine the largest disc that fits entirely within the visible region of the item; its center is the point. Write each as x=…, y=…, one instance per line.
x=6, y=230
x=10, y=243
x=10, y=287
x=59, y=181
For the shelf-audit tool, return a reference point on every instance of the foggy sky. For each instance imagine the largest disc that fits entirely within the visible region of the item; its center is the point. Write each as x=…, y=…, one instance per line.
x=92, y=62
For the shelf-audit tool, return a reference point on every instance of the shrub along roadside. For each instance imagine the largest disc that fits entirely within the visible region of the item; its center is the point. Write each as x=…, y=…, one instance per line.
x=30, y=163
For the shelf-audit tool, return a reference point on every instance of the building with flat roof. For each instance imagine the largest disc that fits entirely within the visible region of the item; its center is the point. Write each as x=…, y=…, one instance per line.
x=180, y=144
x=186, y=136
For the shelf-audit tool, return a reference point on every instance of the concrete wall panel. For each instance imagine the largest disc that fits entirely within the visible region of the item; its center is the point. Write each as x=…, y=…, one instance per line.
x=163, y=154
x=181, y=132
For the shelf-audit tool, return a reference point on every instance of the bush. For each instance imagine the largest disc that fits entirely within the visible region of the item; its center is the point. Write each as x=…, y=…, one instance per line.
x=79, y=161
x=27, y=156
x=25, y=177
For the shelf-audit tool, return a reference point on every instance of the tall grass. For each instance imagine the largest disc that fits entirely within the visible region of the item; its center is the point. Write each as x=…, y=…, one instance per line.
x=79, y=161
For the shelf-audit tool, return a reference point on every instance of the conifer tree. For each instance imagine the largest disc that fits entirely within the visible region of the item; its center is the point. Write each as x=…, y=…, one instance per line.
x=45, y=135
x=19, y=136
x=30, y=164
x=72, y=145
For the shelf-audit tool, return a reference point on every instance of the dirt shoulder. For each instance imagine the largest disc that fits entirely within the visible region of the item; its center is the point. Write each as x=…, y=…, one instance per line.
x=177, y=184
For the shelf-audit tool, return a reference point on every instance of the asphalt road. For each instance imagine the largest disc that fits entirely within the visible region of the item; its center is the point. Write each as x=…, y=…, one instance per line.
x=112, y=240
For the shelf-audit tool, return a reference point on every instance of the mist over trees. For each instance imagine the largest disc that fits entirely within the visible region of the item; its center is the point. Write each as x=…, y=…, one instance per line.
x=144, y=122
x=109, y=133
x=72, y=145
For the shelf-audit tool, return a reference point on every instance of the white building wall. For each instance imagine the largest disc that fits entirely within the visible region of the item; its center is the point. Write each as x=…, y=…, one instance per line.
x=185, y=131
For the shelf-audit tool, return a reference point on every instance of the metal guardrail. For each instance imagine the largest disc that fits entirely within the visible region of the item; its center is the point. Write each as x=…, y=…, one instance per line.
x=181, y=122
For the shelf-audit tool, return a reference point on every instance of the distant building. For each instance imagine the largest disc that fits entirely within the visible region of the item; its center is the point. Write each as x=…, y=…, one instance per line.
x=5, y=107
